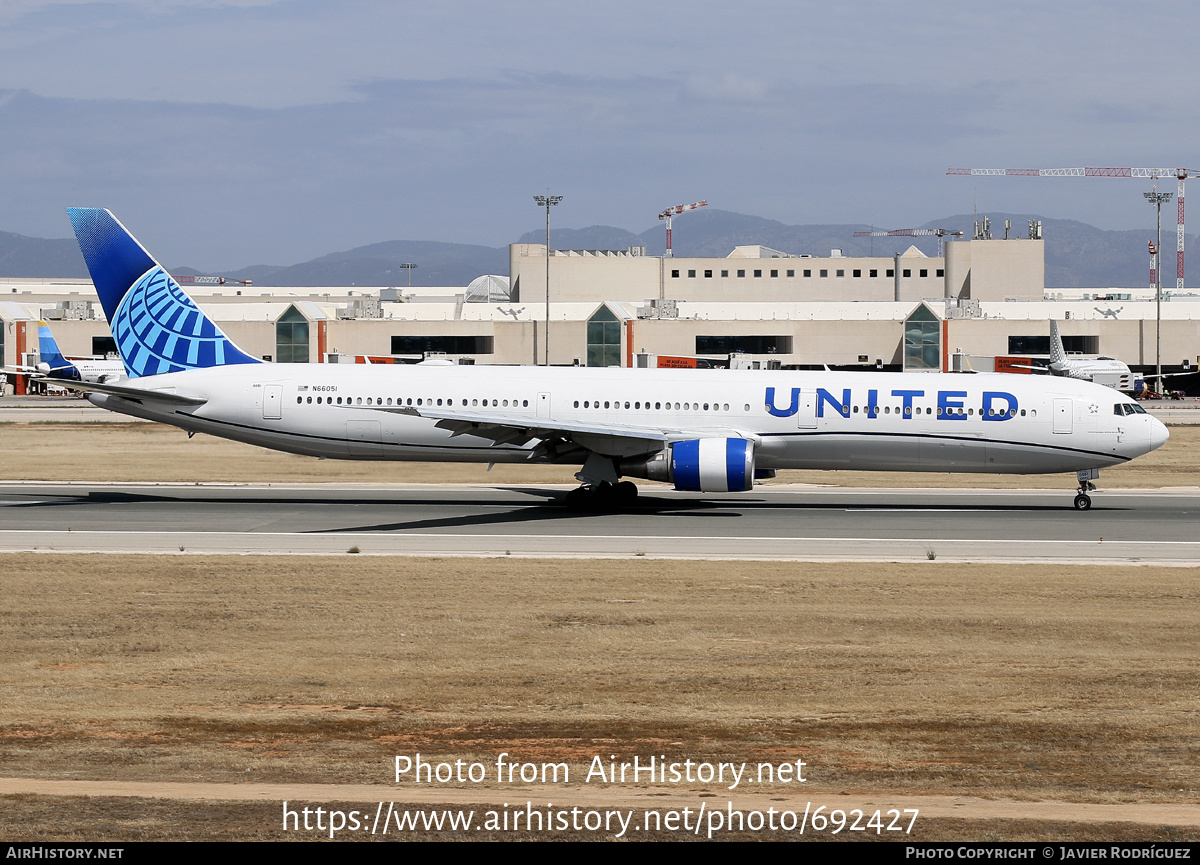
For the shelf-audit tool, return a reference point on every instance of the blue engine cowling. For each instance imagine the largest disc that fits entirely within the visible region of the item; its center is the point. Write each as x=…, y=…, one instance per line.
x=716, y=465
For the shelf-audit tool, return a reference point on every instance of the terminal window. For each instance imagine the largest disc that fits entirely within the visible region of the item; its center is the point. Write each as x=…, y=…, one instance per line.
x=102, y=346
x=741, y=273
x=674, y=274
x=758, y=273
x=791, y=273
x=774, y=274
x=824, y=273
x=907, y=273
x=857, y=273
x=724, y=273
x=808, y=273
x=941, y=272
x=1040, y=344
x=450, y=344
x=291, y=337
x=841, y=273
x=924, y=272
x=890, y=272
x=603, y=338
x=691, y=274
x=922, y=340
x=708, y=274
x=750, y=344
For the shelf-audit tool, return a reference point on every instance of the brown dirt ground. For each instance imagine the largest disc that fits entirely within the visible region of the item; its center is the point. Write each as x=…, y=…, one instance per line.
x=1032, y=683
x=153, y=452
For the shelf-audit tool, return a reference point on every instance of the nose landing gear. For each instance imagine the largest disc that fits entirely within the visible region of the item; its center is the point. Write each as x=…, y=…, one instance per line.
x=1083, y=501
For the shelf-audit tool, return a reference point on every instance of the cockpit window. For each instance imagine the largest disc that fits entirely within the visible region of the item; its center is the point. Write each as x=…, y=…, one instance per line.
x=1127, y=408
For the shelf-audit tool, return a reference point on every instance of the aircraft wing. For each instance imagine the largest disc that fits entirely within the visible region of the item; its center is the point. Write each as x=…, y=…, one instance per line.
x=137, y=394
x=604, y=438
x=1166, y=374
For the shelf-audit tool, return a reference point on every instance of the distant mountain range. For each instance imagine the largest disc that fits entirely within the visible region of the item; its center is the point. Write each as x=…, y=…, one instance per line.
x=1077, y=255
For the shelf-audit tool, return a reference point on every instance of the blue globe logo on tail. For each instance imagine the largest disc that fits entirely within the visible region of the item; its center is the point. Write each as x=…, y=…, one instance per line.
x=157, y=328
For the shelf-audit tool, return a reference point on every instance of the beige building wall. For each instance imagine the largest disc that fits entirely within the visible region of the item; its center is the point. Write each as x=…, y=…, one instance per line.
x=996, y=270
x=635, y=279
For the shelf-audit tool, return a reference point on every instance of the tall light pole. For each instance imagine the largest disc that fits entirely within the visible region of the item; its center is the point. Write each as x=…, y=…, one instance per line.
x=1157, y=198
x=547, y=201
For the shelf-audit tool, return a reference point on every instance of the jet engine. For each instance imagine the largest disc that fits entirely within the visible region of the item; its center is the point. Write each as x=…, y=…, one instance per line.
x=714, y=465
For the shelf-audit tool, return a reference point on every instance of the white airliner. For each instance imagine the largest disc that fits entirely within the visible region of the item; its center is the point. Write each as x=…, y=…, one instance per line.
x=700, y=430
x=53, y=364
x=1107, y=371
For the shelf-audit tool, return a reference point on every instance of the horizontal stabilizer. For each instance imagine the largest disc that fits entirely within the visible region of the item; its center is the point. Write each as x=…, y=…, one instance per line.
x=140, y=394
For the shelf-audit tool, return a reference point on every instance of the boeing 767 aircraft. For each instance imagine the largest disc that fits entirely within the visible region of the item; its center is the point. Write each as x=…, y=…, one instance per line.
x=705, y=431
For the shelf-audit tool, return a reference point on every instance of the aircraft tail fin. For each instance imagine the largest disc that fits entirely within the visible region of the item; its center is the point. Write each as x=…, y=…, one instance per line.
x=50, y=355
x=1057, y=354
x=157, y=327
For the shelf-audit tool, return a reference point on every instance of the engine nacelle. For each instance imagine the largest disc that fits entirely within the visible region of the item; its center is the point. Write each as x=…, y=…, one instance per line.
x=716, y=465
x=713, y=465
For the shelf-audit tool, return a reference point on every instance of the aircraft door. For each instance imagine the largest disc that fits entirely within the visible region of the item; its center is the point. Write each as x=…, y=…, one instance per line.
x=543, y=405
x=272, y=402
x=806, y=409
x=364, y=438
x=1062, y=415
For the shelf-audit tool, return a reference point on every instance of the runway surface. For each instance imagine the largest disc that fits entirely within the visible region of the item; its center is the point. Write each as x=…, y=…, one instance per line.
x=793, y=522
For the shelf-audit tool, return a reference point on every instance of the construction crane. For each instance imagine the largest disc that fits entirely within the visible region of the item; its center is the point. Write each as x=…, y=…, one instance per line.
x=675, y=211
x=939, y=233
x=1179, y=174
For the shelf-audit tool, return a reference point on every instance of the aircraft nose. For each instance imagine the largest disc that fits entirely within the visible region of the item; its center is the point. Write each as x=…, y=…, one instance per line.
x=1158, y=434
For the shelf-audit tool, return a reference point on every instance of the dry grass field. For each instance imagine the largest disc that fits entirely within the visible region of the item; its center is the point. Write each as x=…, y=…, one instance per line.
x=152, y=452
x=1036, y=683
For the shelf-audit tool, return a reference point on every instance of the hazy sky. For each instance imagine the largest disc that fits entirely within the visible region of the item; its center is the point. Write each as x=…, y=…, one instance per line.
x=232, y=133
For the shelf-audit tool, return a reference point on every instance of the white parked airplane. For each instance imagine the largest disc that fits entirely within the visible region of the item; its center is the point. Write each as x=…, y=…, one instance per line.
x=701, y=430
x=53, y=364
x=1107, y=371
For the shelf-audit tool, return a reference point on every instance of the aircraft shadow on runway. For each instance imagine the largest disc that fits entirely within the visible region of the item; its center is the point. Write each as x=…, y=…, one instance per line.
x=547, y=507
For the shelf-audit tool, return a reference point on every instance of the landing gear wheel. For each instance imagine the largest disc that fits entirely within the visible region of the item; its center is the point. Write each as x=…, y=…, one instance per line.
x=1083, y=502
x=579, y=499
x=602, y=497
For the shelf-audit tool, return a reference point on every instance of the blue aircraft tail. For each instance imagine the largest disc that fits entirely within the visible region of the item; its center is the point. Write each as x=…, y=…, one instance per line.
x=49, y=354
x=156, y=326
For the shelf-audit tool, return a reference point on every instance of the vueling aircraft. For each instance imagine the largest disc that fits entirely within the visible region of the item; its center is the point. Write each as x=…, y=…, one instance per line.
x=707, y=431
x=52, y=364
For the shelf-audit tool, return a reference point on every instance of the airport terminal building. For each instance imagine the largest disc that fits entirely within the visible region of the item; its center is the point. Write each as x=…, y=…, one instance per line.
x=985, y=298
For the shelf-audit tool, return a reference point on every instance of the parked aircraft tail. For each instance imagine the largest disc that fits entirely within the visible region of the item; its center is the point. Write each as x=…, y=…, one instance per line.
x=50, y=358
x=157, y=327
x=1057, y=354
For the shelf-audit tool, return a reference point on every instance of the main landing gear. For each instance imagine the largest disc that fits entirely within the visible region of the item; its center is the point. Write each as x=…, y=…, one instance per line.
x=1083, y=501
x=603, y=496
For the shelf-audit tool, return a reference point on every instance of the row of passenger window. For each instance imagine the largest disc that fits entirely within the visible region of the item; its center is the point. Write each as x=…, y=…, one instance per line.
x=1119, y=408
x=958, y=412
x=658, y=406
x=419, y=401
